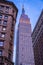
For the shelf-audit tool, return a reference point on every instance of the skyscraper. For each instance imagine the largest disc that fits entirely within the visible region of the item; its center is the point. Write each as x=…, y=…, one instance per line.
x=37, y=39
x=24, y=50
x=8, y=13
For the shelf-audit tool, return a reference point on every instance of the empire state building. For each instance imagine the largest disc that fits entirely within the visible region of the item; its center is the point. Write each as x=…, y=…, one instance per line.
x=24, y=49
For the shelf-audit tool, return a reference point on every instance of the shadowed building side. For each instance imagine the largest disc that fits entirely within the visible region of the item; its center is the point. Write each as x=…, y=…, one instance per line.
x=37, y=39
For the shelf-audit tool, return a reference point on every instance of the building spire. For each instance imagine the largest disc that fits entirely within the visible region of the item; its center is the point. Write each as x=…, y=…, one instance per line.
x=23, y=11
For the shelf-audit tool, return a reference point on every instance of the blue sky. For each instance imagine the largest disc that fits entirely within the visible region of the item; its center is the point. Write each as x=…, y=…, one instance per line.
x=32, y=8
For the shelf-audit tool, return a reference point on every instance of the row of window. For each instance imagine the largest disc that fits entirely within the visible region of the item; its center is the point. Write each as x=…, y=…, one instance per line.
x=9, y=55
x=6, y=9
x=1, y=6
x=2, y=35
x=4, y=23
x=3, y=28
x=5, y=17
x=2, y=42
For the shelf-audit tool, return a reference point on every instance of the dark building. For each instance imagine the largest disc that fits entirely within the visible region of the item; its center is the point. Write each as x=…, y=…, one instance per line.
x=8, y=14
x=37, y=39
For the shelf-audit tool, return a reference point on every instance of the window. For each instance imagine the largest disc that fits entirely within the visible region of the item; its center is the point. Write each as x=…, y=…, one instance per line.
x=4, y=28
x=1, y=43
x=10, y=45
x=3, y=35
x=6, y=12
x=0, y=52
x=0, y=16
x=6, y=17
x=7, y=9
x=1, y=7
x=0, y=34
x=5, y=22
x=9, y=56
x=0, y=21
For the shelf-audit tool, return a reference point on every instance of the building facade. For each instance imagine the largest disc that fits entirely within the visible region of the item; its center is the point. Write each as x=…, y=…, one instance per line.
x=37, y=39
x=24, y=50
x=8, y=13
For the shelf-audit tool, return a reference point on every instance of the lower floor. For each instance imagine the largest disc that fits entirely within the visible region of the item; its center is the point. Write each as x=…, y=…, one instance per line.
x=5, y=61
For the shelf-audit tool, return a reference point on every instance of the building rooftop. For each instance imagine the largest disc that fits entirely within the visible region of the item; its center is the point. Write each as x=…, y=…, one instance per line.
x=9, y=2
x=23, y=15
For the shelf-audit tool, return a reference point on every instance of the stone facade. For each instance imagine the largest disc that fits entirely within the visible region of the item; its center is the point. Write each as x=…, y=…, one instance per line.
x=8, y=13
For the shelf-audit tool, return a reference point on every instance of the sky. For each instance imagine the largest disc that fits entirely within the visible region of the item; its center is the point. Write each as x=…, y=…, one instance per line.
x=32, y=8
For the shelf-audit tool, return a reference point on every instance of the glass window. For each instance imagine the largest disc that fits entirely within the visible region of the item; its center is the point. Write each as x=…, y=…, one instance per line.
x=0, y=52
x=0, y=34
x=1, y=7
x=6, y=17
x=4, y=28
x=0, y=16
x=1, y=43
x=9, y=56
x=7, y=8
x=0, y=21
x=3, y=35
x=5, y=22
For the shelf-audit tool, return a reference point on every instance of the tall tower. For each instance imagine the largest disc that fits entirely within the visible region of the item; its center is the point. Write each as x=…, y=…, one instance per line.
x=8, y=12
x=24, y=50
